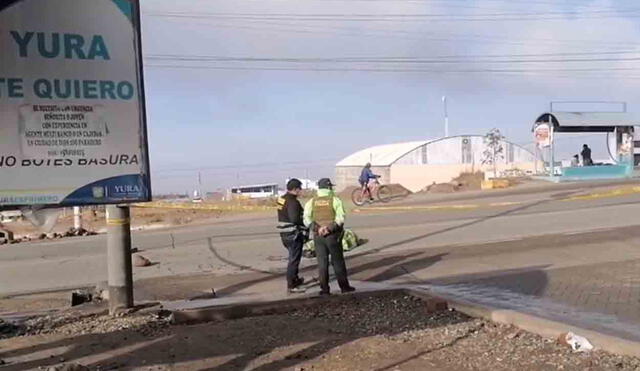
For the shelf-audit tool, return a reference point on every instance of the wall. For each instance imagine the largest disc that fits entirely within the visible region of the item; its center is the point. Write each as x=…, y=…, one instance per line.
x=417, y=177
x=463, y=149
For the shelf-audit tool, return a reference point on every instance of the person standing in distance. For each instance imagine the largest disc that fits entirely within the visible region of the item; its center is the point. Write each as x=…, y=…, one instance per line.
x=292, y=232
x=324, y=215
x=586, y=156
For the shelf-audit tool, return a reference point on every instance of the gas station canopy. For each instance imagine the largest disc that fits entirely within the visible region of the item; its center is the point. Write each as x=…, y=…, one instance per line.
x=588, y=122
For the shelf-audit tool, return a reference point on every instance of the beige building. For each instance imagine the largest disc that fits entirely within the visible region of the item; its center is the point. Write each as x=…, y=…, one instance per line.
x=416, y=165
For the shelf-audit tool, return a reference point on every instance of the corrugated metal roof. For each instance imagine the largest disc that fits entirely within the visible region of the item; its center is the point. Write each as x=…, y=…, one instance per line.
x=383, y=155
x=587, y=119
x=387, y=154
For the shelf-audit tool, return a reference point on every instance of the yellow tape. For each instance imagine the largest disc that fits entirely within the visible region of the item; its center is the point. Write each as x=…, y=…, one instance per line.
x=157, y=205
x=118, y=221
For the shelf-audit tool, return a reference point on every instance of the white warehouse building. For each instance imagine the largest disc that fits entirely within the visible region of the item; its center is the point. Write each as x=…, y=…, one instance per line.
x=416, y=165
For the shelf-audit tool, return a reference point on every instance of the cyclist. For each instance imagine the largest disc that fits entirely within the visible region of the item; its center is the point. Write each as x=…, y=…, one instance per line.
x=365, y=176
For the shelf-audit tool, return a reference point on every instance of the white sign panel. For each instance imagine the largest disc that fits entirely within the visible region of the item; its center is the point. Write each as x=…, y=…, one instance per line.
x=72, y=122
x=543, y=135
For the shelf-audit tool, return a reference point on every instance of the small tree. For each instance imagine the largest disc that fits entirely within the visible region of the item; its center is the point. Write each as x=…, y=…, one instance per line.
x=494, y=150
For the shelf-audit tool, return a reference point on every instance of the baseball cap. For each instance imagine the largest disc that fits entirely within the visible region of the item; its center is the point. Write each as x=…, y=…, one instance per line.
x=325, y=183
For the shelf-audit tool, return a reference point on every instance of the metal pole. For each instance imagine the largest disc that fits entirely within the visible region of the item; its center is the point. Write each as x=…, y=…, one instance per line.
x=553, y=157
x=535, y=160
x=119, y=258
x=446, y=117
x=77, y=218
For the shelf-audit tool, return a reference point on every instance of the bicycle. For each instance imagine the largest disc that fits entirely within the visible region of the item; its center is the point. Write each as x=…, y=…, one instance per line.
x=378, y=191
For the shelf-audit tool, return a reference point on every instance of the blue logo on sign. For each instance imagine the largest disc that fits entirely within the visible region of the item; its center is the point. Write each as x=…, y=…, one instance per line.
x=125, y=190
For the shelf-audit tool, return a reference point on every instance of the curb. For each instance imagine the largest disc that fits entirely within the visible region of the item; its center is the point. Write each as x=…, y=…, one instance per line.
x=537, y=325
x=618, y=192
x=52, y=290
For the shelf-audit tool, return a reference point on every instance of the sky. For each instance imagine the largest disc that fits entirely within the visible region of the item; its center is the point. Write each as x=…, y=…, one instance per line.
x=257, y=91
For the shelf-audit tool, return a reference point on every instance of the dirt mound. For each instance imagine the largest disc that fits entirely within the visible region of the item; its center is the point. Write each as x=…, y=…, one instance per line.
x=469, y=181
x=442, y=188
x=399, y=190
x=463, y=182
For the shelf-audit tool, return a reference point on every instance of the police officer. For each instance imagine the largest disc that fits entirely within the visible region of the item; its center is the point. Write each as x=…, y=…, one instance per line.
x=324, y=215
x=292, y=232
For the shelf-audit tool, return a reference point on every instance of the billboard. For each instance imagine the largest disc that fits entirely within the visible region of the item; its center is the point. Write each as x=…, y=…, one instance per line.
x=543, y=135
x=72, y=116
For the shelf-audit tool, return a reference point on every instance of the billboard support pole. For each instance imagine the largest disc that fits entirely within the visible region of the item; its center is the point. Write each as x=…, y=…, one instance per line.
x=553, y=152
x=77, y=218
x=120, y=274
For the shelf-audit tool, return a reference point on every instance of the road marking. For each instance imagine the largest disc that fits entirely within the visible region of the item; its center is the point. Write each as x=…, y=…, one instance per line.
x=426, y=207
x=592, y=196
x=509, y=239
x=439, y=207
x=513, y=203
x=613, y=193
x=586, y=231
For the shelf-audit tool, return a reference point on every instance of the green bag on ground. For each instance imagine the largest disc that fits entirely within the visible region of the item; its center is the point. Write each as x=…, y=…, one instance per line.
x=349, y=242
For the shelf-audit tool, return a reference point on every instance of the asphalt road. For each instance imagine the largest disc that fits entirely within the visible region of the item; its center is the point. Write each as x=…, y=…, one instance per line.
x=252, y=244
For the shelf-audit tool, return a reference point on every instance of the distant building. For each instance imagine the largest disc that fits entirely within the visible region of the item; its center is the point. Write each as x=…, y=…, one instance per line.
x=307, y=184
x=10, y=216
x=416, y=165
x=215, y=196
x=254, y=191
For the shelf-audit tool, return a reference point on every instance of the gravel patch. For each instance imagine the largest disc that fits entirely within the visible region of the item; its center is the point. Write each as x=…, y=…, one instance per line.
x=74, y=324
x=389, y=314
x=391, y=332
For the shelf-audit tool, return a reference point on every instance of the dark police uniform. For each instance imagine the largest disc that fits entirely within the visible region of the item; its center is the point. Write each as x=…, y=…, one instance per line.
x=291, y=226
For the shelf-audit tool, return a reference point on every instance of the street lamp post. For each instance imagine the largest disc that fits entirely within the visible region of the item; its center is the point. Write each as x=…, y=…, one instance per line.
x=446, y=116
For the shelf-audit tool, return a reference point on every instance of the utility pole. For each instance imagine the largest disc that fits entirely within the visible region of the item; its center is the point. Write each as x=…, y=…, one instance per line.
x=446, y=116
x=120, y=274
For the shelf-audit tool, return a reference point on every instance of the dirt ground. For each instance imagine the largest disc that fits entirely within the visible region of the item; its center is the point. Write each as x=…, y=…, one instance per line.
x=141, y=218
x=393, y=332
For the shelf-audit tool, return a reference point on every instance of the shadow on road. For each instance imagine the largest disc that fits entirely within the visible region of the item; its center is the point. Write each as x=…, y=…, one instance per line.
x=531, y=281
x=393, y=271
x=363, y=261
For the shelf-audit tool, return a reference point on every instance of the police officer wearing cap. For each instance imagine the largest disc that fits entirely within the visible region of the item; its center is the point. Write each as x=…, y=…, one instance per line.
x=292, y=232
x=324, y=215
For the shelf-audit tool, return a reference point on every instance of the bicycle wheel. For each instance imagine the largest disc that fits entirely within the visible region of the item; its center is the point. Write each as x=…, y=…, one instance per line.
x=356, y=197
x=384, y=193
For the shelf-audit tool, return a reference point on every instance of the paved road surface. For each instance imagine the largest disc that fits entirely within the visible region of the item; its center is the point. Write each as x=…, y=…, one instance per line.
x=234, y=246
x=576, y=258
